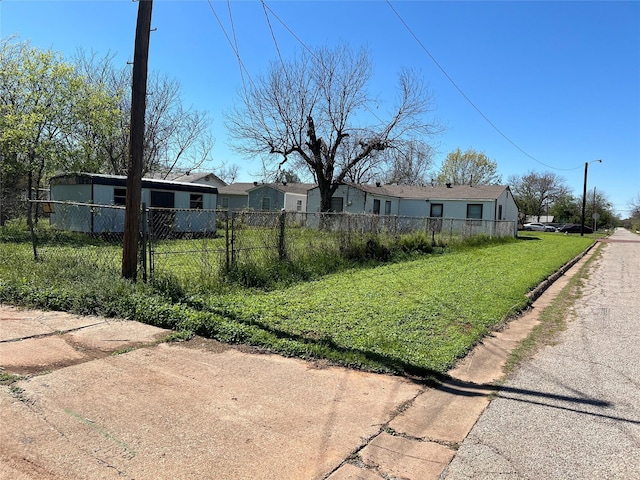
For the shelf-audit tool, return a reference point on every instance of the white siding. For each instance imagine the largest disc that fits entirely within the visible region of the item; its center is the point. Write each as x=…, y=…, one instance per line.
x=291, y=202
x=509, y=208
x=313, y=200
x=368, y=208
x=71, y=193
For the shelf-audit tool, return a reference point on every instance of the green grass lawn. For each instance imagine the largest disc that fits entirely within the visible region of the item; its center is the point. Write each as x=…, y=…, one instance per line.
x=416, y=316
x=421, y=314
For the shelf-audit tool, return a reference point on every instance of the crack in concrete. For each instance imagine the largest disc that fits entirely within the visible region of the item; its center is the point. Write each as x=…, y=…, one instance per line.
x=51, y=334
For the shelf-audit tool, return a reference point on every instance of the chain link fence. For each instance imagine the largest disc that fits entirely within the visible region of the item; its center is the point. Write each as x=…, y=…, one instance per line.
x=79, y=233
x=202, y=247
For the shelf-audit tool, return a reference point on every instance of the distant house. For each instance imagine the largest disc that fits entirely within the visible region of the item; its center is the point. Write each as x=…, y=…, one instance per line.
x=478, y=202
x=273, y=197
x=202, y=178
x=96, y=189
x=353, y=198
x=234, y=197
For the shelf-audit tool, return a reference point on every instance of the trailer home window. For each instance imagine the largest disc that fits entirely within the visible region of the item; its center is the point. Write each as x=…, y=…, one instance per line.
x=436, y=210
x=474, y=211
x=195, y=201
x=337, y=204
x=119, y=196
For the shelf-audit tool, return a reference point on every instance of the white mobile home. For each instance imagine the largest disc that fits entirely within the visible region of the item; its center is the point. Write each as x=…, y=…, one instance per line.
x=190, y=208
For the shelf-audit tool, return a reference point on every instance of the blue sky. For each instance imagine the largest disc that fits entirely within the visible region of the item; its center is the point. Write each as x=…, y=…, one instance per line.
x=561, y=80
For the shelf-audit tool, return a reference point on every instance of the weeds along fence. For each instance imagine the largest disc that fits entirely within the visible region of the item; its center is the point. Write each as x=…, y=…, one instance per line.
x=202, y=247
x=245, y=242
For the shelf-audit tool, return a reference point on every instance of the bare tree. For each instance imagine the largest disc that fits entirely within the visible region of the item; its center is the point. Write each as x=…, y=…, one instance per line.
x=111, y=145
x=410, y=166
x=228, y=173
x=176, y=137
x=467, y=168
x=363, y=172
x=634, y=206
x=315, y=111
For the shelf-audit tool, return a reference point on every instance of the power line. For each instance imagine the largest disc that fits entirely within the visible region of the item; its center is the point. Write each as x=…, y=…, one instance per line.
x=307, y=48
x=233, y=46
x=464, y=95
x=273, y=35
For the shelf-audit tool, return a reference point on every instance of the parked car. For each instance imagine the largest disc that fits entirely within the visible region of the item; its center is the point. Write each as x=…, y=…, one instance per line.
x=540, y=227
x=574, y=228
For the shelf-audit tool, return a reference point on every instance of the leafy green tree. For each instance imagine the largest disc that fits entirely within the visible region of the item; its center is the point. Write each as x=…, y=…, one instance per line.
x=46, y=112
x=566, y=209
x=597, y=202
x=634, y=217
x=469, y=168
x=534, y=191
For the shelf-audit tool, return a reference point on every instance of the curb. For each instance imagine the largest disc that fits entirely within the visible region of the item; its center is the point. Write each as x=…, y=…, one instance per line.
x=546, y=283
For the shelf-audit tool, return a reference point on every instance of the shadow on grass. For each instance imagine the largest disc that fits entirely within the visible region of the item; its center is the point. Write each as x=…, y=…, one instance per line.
x=322, y=347
x=528, y=238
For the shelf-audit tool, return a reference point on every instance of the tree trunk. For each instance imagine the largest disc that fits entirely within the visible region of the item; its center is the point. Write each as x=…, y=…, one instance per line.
x=30, y=214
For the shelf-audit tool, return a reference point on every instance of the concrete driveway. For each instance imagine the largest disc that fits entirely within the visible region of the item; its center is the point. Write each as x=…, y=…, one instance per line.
x=103, y=399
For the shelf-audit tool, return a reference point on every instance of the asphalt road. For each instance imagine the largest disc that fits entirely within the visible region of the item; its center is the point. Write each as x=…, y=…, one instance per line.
x=573, y=411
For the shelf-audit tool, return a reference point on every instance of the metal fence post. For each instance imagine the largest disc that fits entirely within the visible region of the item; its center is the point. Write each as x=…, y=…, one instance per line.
x=233, y=238
x=227, y=242
x=145, y=237
x=282, y=254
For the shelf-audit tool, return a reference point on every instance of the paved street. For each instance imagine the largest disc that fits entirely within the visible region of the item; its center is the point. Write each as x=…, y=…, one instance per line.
x=574, y=410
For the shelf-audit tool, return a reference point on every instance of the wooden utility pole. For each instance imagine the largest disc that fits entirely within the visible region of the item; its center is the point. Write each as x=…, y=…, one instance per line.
x=136, y=141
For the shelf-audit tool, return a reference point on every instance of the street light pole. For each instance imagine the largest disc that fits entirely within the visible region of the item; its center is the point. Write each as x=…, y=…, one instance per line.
x=584, y=194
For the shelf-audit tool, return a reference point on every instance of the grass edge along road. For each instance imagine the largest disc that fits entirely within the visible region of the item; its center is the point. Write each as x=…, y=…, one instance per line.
x=415, y=317
x=553, y=319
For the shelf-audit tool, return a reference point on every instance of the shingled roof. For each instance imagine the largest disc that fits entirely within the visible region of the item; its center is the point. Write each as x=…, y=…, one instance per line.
x=437, y=192
x=236, y=189
x=300, y=188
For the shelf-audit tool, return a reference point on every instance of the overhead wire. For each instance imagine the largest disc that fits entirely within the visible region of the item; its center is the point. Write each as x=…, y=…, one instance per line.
x=236, y=51
x=235, y=44
x=466, y=97
x=273, y=35
x=267, y=10
x=307, y=48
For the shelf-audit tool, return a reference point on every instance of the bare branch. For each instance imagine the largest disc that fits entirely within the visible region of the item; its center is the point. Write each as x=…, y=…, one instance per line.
x=309, y=112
